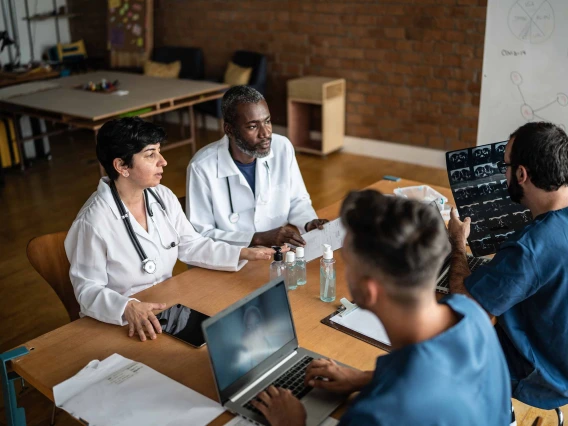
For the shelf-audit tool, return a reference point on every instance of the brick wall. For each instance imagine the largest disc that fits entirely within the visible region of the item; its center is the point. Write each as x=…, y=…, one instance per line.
x=413, y=67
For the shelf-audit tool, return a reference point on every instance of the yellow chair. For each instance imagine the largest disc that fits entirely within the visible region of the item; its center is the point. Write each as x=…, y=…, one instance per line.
x=72, y=51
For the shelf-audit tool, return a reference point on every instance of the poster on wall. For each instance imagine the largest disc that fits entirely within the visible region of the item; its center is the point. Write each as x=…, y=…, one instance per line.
x=127, y=28
x=480, y=191
x=524, y=67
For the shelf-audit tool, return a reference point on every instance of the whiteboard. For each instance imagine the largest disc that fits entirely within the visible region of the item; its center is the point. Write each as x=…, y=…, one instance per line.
x=525, y=67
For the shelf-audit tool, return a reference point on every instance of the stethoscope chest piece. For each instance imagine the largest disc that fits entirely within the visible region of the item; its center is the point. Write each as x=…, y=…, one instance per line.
x=149, y=266
x=234, y=217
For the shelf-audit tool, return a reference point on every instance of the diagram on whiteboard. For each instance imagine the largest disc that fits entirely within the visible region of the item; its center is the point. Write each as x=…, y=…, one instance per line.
x=528, y=112
x=532, y=20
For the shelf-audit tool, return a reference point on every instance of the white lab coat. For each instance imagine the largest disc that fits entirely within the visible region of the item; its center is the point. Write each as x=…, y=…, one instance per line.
x=105, y=267
x=281, y=196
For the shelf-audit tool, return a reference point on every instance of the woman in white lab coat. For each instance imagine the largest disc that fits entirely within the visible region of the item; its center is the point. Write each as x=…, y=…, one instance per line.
x=130, y=232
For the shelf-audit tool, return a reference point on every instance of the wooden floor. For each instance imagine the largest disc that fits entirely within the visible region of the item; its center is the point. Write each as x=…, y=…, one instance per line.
x=47, y=197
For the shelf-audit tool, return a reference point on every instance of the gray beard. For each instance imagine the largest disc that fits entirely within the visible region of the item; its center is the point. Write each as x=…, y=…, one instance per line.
x=243, y=147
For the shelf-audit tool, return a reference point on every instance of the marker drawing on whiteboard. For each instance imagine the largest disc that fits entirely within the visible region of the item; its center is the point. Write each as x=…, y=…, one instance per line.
x=527, y=111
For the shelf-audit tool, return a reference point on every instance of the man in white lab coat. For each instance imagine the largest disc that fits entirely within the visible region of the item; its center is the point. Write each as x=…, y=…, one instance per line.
x=246, y=189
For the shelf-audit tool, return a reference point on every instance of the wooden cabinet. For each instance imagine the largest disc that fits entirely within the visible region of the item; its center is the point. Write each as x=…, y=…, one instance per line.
x=327, y=97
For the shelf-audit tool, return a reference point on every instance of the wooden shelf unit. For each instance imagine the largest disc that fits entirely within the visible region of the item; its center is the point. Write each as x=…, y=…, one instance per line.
x=327, y=94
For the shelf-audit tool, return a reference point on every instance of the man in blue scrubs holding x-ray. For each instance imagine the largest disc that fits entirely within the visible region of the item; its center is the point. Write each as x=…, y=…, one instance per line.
x=446, y=366
x=526, y=284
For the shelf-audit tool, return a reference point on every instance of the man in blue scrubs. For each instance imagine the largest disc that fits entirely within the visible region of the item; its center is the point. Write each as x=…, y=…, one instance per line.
x=446, y=366
x=526, y=284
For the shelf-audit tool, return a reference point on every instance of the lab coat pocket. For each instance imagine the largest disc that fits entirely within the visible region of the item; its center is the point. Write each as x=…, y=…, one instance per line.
x=279, y=205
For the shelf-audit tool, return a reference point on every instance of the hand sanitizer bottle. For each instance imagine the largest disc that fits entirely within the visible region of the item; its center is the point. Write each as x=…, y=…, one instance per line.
x=277, y=267
x=291, y=279
x=300, y=266
x=327, y=275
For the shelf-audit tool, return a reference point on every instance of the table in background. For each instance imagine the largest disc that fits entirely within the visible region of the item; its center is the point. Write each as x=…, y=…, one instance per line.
x=63, y=103
x=11, y=78
x=60, y=354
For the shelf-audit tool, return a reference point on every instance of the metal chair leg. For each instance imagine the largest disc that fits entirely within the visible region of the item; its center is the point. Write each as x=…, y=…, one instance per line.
x=560, y=416
x=52, y=423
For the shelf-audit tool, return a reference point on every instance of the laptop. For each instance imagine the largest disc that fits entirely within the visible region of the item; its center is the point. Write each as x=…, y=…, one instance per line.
x=443, y=282
x=252, y=345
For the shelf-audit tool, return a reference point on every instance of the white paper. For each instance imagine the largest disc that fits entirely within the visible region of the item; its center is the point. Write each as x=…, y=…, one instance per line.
x=333, y=233
x=27, y=89
x=119, y=391
x=240, y=421
x=364, y=322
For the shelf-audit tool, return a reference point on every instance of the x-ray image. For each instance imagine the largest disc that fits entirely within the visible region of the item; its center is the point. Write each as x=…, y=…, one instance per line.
x=481, y=154
x=459, y=159
x=461, y=175
x=499, y=151
x=500, y=238
x=485, y=170
x=493, y=215
x=466, y=193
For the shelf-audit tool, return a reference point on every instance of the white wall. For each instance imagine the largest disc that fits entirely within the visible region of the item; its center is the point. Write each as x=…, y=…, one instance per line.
x=43, y=32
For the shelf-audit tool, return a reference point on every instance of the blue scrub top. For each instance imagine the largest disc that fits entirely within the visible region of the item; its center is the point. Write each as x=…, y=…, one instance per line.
x=459, y=377
x=526, y=287
x=249, y=172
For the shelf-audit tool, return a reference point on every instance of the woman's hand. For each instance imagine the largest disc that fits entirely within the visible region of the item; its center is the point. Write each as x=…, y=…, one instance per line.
x=280, y=407
x=256, y=253
x=140, y=316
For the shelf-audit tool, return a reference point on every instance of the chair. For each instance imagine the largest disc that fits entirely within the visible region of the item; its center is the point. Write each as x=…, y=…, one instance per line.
x=191, y=58
x=47, y=256
x=245, y=59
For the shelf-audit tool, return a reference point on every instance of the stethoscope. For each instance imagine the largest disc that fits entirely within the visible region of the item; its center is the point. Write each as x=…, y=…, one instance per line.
x=234, y=216
x=148, y=265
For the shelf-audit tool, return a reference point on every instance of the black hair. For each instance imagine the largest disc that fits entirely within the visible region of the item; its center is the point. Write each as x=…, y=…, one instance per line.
x=542, y=148
x=402, y=240
x=234, y=97
x=124, y=137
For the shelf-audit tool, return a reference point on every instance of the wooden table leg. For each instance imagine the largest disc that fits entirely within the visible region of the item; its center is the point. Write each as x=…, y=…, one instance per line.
x=19, y=143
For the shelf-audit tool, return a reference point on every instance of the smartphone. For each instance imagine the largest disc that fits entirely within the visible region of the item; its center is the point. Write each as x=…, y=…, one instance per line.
x=184, y=324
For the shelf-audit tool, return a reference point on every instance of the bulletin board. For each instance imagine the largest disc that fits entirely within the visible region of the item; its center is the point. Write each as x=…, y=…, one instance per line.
x=130, y=31
x=480, y=192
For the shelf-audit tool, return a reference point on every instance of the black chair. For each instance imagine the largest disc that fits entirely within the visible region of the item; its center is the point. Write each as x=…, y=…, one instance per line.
x=191, y=58
x=245, y=59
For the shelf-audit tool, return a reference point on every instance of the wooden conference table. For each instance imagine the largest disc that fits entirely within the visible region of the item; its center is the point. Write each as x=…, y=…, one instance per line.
x=60, y=101
x=60, y=354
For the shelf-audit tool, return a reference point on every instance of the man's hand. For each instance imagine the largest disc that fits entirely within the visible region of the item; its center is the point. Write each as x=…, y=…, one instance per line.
x=140, y=316
x=315, y=224
x=458, y=230
x=327, y=374
x=280, y=407
x=278, y=237
x=257, y=253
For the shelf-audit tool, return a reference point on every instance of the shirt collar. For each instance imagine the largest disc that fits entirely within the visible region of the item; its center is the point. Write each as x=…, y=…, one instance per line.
x=226, y=165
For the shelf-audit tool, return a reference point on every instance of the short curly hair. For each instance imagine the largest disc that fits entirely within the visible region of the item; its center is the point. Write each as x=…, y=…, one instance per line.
x=234, y=97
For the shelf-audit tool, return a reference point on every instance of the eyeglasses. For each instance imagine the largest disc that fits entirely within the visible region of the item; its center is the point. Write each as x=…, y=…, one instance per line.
x=503, y=166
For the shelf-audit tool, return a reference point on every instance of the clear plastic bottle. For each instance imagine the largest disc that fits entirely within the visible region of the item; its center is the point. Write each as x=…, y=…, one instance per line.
x=291, y=279
x=327, y=275
x=277, y=267
x=300, y=266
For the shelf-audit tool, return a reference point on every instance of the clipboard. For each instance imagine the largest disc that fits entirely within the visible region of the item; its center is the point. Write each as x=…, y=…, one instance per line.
x=346, y=309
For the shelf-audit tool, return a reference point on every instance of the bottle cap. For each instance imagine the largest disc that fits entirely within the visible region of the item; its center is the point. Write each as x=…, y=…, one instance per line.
x=290, y=257
x=278, y=254
x=300, y=251
x=327, y=251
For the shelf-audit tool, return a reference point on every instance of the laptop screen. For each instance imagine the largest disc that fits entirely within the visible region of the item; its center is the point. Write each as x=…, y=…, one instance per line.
x=242, y=339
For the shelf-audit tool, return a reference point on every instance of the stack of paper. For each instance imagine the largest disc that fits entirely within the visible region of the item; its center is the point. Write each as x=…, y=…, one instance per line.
x=121, y=392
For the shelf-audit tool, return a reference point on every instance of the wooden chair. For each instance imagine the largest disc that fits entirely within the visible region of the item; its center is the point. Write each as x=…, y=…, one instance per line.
x=47, y=256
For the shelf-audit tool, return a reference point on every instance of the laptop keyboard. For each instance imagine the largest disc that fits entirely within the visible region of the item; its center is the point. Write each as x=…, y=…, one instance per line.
x=443, y=285
x=292, y=379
